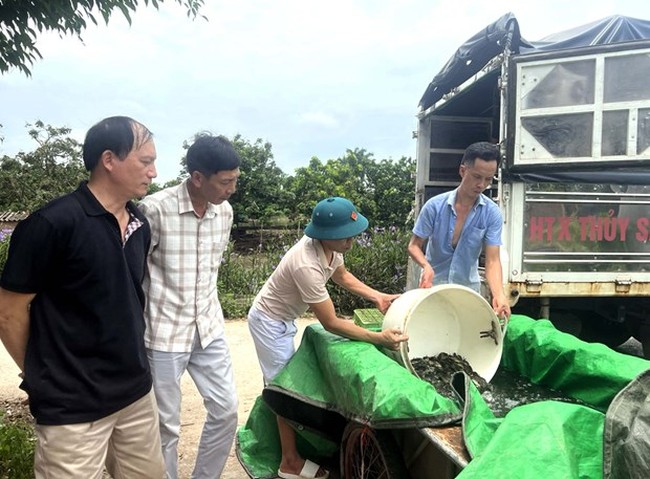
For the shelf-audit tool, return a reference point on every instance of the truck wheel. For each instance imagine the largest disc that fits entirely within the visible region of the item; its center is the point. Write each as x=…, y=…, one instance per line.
x=368, y=453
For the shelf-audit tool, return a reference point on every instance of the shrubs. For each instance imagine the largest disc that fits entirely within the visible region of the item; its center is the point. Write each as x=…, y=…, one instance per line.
x=5, y=236
x=242, y=274
x=378, y=258
x=17, y=442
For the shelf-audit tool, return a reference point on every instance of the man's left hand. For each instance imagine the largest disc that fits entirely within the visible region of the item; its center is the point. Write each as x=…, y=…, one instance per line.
x=384, y=301
x=501, y=307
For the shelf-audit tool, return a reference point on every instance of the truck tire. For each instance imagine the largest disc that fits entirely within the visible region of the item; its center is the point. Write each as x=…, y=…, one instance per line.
x=368, y=453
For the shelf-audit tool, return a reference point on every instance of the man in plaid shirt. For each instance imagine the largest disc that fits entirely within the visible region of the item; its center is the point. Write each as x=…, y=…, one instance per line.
x=190, y=228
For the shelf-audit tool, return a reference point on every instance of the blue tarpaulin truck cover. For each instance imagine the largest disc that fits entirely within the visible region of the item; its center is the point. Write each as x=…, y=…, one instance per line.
x=504, y=33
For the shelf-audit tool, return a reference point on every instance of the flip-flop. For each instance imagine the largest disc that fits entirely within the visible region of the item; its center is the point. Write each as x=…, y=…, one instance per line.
x=309, y=471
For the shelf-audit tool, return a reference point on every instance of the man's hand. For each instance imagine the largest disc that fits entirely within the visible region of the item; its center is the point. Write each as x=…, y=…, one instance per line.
x=391, y=338
x=501, y=307
x=415, y=249
x=383, y=301
x=426, y=278
x=14, y=324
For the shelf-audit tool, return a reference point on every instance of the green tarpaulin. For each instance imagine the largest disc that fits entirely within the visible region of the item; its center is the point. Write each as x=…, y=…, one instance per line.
x=332, y=380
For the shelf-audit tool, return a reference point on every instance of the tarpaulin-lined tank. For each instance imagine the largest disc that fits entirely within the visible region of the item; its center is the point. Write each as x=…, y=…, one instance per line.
x=362, y=413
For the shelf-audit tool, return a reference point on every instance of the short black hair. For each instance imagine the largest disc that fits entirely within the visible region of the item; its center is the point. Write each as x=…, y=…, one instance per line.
x=210, y=154
x=119, y=134
x=484, y=150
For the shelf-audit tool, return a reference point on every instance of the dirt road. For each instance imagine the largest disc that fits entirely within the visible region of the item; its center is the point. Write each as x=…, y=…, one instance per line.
x=248, y=379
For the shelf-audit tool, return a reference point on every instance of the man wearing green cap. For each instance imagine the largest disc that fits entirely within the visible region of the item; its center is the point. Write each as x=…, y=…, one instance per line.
x=299, y=284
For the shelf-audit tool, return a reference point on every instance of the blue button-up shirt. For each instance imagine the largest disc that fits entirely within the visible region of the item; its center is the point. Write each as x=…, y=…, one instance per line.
x=436, y=222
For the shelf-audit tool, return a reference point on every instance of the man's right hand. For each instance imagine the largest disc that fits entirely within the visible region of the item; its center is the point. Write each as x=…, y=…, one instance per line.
x=391, y=338
x=426, y=278
x=14, y=323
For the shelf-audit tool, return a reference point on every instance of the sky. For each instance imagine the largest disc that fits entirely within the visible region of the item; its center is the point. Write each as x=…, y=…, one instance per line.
x=313, y=78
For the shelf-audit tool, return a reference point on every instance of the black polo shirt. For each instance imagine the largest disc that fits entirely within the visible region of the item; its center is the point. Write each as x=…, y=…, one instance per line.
x=85, y=354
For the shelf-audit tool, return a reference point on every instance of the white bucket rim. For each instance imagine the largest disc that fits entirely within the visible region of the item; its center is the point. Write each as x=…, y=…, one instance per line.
x=487, y=368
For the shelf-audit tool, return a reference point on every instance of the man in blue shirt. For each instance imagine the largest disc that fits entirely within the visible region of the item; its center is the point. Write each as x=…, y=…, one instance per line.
x=458, y=224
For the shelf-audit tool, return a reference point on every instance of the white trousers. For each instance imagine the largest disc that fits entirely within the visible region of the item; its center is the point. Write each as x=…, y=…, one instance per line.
x=212, y=373
x=273, y=342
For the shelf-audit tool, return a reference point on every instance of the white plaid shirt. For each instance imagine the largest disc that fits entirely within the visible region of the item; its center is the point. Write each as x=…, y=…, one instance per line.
x=183, y=262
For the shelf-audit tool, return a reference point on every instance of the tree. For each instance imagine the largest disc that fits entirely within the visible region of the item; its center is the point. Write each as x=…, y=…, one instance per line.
x=261, y=193
x=29, y=180
x=22, y=20
x=346, y=176
x=393, y=191
x=309, y=185
x=383, y=191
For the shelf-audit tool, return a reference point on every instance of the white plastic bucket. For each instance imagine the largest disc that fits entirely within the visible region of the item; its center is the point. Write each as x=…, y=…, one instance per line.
x=447, y=318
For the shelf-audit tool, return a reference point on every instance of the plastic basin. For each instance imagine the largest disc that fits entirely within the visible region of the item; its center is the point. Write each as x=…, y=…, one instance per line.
x=447, y=318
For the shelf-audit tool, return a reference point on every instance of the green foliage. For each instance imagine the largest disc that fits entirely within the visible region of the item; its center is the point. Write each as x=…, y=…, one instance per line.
x=345, y=177
x=29, y=180
x=17, y=443
x=379, y=259
x=5, y=237
x=382, y=190
x=22, y=20
x=393, y=192
x=241, y=276
x=261, y=193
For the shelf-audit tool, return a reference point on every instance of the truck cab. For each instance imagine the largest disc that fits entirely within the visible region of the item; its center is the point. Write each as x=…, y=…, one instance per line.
x=571, y=114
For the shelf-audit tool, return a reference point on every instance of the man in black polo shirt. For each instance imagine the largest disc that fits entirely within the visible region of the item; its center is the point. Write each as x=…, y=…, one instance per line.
x=71, y=315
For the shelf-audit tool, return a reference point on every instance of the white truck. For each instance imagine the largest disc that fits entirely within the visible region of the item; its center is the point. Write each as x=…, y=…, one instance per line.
x=571, y=114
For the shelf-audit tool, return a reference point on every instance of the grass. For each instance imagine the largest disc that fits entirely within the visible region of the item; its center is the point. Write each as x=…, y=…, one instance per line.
x=17, y=441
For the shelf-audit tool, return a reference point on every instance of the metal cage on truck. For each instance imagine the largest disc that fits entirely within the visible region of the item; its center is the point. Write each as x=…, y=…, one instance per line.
x=572, y=116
